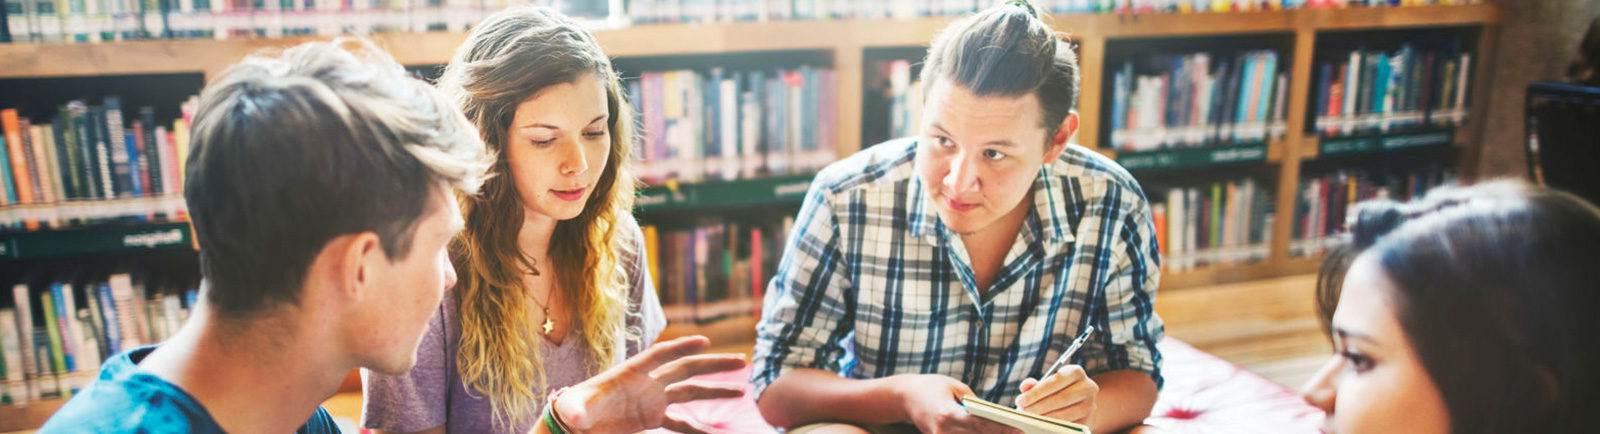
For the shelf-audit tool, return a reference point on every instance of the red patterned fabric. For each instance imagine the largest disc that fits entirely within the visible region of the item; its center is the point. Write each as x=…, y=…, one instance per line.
x=1203, y=394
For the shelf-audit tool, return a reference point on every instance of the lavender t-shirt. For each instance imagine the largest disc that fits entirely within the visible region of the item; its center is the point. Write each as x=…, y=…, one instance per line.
x=420, y=399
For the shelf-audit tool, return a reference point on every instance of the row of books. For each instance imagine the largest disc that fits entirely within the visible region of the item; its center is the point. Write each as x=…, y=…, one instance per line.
x=1198, y=99
x=53, y=336
x=1376, y=90
x=87, y=153
x=723, y=124
x=115, y=20
x=1214, y=224
x=118, y=20
x=675, y=11
x=1323, y=207
x=714, y=271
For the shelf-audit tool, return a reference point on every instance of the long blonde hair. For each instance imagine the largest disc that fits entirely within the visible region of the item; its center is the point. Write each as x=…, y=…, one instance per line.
x=507, y=58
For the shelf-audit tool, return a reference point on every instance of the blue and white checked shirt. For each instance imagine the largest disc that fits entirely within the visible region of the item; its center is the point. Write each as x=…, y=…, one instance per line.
x=873, y=284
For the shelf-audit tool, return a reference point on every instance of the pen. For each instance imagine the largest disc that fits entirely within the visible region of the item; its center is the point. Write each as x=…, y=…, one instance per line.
x=1067, y=355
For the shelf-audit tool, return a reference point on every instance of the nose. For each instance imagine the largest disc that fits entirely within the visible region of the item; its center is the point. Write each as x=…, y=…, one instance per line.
x=574, y=162
x=962, y=177
x=1321, y=390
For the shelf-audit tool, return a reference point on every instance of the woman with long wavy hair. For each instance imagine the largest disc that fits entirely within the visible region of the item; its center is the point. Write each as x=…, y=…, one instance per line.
x=552, y=287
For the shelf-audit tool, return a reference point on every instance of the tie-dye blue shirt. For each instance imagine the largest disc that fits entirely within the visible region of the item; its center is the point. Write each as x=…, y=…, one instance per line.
x=126, y=400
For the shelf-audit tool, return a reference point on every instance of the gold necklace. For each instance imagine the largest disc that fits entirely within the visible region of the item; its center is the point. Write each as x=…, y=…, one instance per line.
x=549, y=325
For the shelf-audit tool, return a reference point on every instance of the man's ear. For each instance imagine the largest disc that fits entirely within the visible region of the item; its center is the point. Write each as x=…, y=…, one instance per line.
x=347, y=263
x=1064, y=132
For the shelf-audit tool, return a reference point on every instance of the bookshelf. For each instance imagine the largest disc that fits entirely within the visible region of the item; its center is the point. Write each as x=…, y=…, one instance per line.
x=722, y=195
x=97, y=239
x=847, y=46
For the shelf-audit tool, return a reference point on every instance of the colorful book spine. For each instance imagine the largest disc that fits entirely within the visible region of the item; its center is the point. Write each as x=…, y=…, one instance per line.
x=150, y=163
x=123, y=174
x=11, y=378
x=15, y=180
x=25, y=332
x=52, y=326
x=44, y=150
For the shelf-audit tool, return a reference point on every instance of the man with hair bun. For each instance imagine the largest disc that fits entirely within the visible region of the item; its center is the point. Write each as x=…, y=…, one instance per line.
x=965, y=260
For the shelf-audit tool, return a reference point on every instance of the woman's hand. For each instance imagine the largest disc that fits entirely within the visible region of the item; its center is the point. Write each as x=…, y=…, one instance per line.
x=633, y=396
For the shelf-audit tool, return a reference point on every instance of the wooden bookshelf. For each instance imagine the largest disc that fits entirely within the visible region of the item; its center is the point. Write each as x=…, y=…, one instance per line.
x=845, y=42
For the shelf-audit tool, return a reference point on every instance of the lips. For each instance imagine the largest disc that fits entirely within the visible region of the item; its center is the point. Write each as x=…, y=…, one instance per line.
x=572, y=195
x=959, y=206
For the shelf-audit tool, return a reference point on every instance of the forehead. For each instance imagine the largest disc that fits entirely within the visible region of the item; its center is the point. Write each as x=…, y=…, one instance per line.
x=583, y=97
x=956, y=107
x=1366, y=300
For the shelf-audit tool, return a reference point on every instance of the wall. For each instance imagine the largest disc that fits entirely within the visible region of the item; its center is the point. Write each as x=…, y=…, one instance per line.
x=1537, y=40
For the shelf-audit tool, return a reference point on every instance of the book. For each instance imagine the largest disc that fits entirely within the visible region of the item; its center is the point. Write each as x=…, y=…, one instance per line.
x=150, y=163
x=1028, y=423
x=11, y=379
x=123, y=176
x=16, y=184
x=44, y=150
x=25, y=333
x=31, y=162
x=52, y=329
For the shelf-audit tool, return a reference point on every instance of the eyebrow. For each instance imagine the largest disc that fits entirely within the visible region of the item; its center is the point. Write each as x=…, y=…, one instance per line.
x=1001, y=143
x=1346, y=334
x=553, y=127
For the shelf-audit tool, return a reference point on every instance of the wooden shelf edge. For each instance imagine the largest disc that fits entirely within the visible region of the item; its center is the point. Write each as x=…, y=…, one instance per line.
x=28, y=417
x=1222, y=274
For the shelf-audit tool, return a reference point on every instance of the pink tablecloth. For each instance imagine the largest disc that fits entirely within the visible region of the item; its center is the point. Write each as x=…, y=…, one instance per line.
x=1203, y=394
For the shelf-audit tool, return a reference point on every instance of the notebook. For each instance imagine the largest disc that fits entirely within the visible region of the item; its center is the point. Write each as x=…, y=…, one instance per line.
x=1028, y=423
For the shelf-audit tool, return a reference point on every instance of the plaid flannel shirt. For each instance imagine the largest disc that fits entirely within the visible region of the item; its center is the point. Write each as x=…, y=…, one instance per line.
x=873, y=284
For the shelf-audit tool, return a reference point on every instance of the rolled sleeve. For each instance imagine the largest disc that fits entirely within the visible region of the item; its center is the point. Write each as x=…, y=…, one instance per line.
x=1129, y=322
x=806, y=314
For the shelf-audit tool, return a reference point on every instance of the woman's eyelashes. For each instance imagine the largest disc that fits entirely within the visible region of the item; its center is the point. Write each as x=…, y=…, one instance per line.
x=1358, y=361
x=544, y=142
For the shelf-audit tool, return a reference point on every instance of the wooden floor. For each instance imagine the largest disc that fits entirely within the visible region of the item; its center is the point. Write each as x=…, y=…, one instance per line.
x=1266, y=326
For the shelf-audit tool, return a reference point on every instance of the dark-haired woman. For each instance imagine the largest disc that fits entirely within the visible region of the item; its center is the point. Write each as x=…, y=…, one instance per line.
x=1469, y=311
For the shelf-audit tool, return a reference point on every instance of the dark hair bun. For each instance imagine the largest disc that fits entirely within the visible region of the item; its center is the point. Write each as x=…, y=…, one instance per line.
x=1372, y=220
x=1026, y=6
